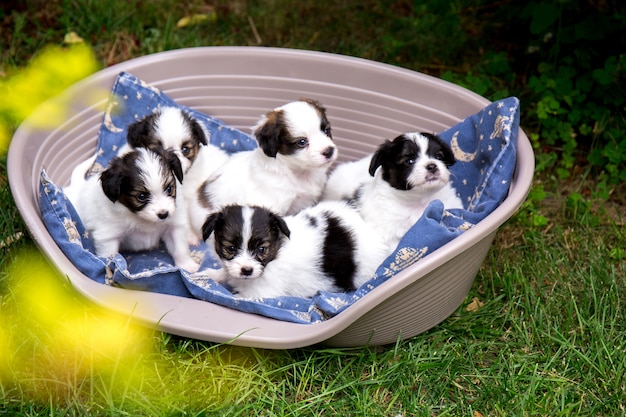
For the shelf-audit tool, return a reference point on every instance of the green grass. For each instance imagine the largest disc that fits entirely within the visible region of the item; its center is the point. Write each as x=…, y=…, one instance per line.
x=550, y=338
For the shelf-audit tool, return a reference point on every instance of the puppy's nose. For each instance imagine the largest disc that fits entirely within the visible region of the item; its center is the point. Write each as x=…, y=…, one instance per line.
x=246, y=271
x=432, y=168
x=328, y=152
x=163, y=215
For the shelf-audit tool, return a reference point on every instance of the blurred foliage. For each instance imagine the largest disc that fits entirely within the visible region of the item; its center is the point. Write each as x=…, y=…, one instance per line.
x=563, y=58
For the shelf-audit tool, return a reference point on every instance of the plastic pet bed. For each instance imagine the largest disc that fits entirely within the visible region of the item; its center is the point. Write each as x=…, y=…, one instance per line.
x=228, y=88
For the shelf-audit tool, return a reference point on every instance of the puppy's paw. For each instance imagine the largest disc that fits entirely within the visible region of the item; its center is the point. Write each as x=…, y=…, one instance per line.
x=188, y=265
x=193, y=239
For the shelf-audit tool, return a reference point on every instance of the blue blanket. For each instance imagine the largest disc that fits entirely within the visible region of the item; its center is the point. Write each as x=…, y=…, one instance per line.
x=484, y=144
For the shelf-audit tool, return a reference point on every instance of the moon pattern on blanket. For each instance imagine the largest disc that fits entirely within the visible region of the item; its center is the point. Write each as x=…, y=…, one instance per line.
x=108, y=123
x=459, y=153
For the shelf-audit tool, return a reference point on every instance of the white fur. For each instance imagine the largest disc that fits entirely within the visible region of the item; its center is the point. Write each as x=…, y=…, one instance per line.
x=296, y=270
x=284, y=184
x=113, y=227
x=206, y=167
x=346, y=179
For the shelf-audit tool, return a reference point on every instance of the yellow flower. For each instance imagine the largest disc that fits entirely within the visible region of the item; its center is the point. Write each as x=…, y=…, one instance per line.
x=5, y=138
x=47, y=75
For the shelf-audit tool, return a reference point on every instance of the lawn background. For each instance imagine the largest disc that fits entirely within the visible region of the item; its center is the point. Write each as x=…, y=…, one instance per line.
x=542, y=331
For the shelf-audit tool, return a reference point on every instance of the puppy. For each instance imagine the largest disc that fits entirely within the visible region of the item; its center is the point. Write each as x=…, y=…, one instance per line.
x=392, y=188
x=326, y=247
x=286, y=173
x=172, y=129
x=133, y=204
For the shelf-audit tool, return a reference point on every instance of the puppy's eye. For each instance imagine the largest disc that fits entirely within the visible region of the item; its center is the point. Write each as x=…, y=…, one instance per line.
x=143, y=197
x=169, y=190
x=439, y=155
x=185, y=150
x=263, y=251
x=326, y=131
x=302, y=142
x=409, y=162
x=229, y=251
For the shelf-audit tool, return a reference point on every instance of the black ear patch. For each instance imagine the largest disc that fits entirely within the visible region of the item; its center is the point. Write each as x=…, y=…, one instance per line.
x=174, y=165
x=115, y=175
x=196, y=130
x=280, y=224
x=269, y=133
x=380, y=156
x=140, y=132
x=209, y=225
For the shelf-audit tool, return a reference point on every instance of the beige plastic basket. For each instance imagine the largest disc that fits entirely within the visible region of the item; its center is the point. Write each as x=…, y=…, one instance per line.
x=366, y=101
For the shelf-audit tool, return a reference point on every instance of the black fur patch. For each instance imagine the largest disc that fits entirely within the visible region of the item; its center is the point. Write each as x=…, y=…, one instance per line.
x=338, y=254
x=266, y=235
x=438, y=149
x=191, y=146
x=312, y=221
x=227, y=226
x=272, y=134
x=396, y=158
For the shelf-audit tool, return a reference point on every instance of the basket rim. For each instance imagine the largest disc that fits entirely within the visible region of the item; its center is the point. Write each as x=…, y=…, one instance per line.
x=274, y=334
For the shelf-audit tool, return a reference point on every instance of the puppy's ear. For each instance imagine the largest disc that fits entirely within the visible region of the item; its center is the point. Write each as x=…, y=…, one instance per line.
x=174, y=164
x=197, y=131
x=281, y=225
x=111, y=179
x=268, y=133
x=379, y=156
x=448, y=155
x=139, y=132
x=209, y=225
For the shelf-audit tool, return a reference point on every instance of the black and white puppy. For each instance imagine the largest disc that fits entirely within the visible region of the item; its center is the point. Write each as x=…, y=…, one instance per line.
x=132, y=204
x=326, y=247
x=172, y=129
x=286, y=173
x=392, y=188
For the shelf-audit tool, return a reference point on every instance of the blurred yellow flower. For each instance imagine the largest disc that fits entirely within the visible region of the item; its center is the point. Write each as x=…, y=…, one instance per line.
x=49, y=73
x=5, y=137
x=58, y=335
